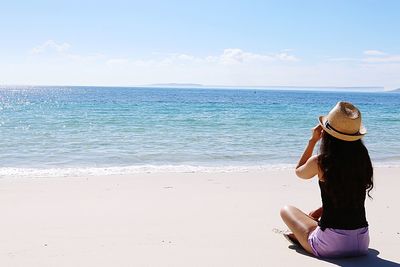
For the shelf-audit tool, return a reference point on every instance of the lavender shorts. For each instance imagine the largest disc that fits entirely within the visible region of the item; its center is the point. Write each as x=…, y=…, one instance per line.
x=339, y=243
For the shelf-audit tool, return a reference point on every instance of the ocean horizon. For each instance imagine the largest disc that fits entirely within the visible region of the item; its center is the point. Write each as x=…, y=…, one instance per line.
x=66, y=131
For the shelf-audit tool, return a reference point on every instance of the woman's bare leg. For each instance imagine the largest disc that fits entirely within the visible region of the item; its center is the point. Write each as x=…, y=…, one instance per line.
x=300, y=224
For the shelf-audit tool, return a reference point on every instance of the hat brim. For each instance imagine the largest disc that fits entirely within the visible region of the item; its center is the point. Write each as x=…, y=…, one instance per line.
x=354, y=137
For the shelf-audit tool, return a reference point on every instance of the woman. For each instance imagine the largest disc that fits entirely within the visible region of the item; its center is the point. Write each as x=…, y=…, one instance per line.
x=344, y=170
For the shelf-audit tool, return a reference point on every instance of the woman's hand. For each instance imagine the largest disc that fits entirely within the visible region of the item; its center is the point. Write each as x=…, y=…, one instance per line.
x=316, y=133
x=316, y=214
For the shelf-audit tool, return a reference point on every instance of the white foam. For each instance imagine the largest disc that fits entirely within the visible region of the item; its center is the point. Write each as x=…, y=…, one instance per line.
x=9, y=172
x=395, y=164
x=79, y=172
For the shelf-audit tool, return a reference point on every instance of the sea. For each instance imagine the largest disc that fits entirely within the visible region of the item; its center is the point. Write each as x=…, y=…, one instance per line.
x=73, y=131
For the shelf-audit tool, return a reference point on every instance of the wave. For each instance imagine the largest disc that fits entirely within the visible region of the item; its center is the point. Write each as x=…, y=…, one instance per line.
x=7, y=172
x=10, y=172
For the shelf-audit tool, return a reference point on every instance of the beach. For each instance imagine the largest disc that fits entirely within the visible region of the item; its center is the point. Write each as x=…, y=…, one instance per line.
x=176, y=219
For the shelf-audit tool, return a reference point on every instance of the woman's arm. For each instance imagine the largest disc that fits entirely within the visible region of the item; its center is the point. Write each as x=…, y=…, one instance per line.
x=308, y=164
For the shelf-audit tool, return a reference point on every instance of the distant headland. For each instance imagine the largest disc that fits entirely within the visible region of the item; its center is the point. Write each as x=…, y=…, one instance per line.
x=229, y=87
x=177, y=84
x=269, y=87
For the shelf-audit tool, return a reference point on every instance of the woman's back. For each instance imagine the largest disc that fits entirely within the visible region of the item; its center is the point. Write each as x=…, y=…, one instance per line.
x=341, y=217
x=346, y=175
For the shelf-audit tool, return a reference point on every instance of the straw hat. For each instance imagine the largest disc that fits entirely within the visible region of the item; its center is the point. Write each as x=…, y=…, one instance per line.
x=343, y=122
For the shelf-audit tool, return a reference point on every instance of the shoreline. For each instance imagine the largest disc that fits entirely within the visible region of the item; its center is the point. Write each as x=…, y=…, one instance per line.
x=176, y=219
x=17, y=172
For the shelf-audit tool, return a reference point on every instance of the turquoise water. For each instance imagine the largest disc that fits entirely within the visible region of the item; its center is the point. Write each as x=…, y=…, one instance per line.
x=88, y=127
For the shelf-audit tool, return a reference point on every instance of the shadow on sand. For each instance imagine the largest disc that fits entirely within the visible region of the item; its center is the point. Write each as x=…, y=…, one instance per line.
x=370, y=260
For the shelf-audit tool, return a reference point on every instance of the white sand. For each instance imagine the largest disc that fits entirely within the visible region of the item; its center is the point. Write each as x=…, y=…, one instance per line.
x=184, y=219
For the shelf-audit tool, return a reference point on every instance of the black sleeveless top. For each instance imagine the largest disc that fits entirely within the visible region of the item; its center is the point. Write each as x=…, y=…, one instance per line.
x=346, y=218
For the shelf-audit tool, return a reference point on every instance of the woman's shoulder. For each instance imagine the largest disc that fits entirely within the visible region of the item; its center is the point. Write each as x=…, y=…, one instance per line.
x=309, y=169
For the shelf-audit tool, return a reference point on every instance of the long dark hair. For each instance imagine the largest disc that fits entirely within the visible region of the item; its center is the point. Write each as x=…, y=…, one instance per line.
x=347, y=170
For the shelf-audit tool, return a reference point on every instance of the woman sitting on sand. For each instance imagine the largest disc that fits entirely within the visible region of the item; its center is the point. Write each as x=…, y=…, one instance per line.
x=344, y=170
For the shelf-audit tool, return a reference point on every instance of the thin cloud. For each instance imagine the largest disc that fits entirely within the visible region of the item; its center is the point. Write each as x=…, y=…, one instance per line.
x=371, y=56
x=374, y=53
x=62, y=51
x=286, y=57
x=229, y=56
x=344, y=59
x=236, y=55
x=117, y=61
x=386, y=59
x=50, y=45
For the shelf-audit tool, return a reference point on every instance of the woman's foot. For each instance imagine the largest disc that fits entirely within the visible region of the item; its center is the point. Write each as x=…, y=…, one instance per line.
x=292, y=239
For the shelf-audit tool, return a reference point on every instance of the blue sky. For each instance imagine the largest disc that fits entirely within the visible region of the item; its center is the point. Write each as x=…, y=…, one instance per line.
x=288, y=43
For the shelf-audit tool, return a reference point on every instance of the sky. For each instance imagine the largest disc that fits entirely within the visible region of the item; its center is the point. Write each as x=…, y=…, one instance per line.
x=337, y=43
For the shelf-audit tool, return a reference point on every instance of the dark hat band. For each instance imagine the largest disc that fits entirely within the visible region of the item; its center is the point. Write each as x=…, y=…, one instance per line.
x=328, y=126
